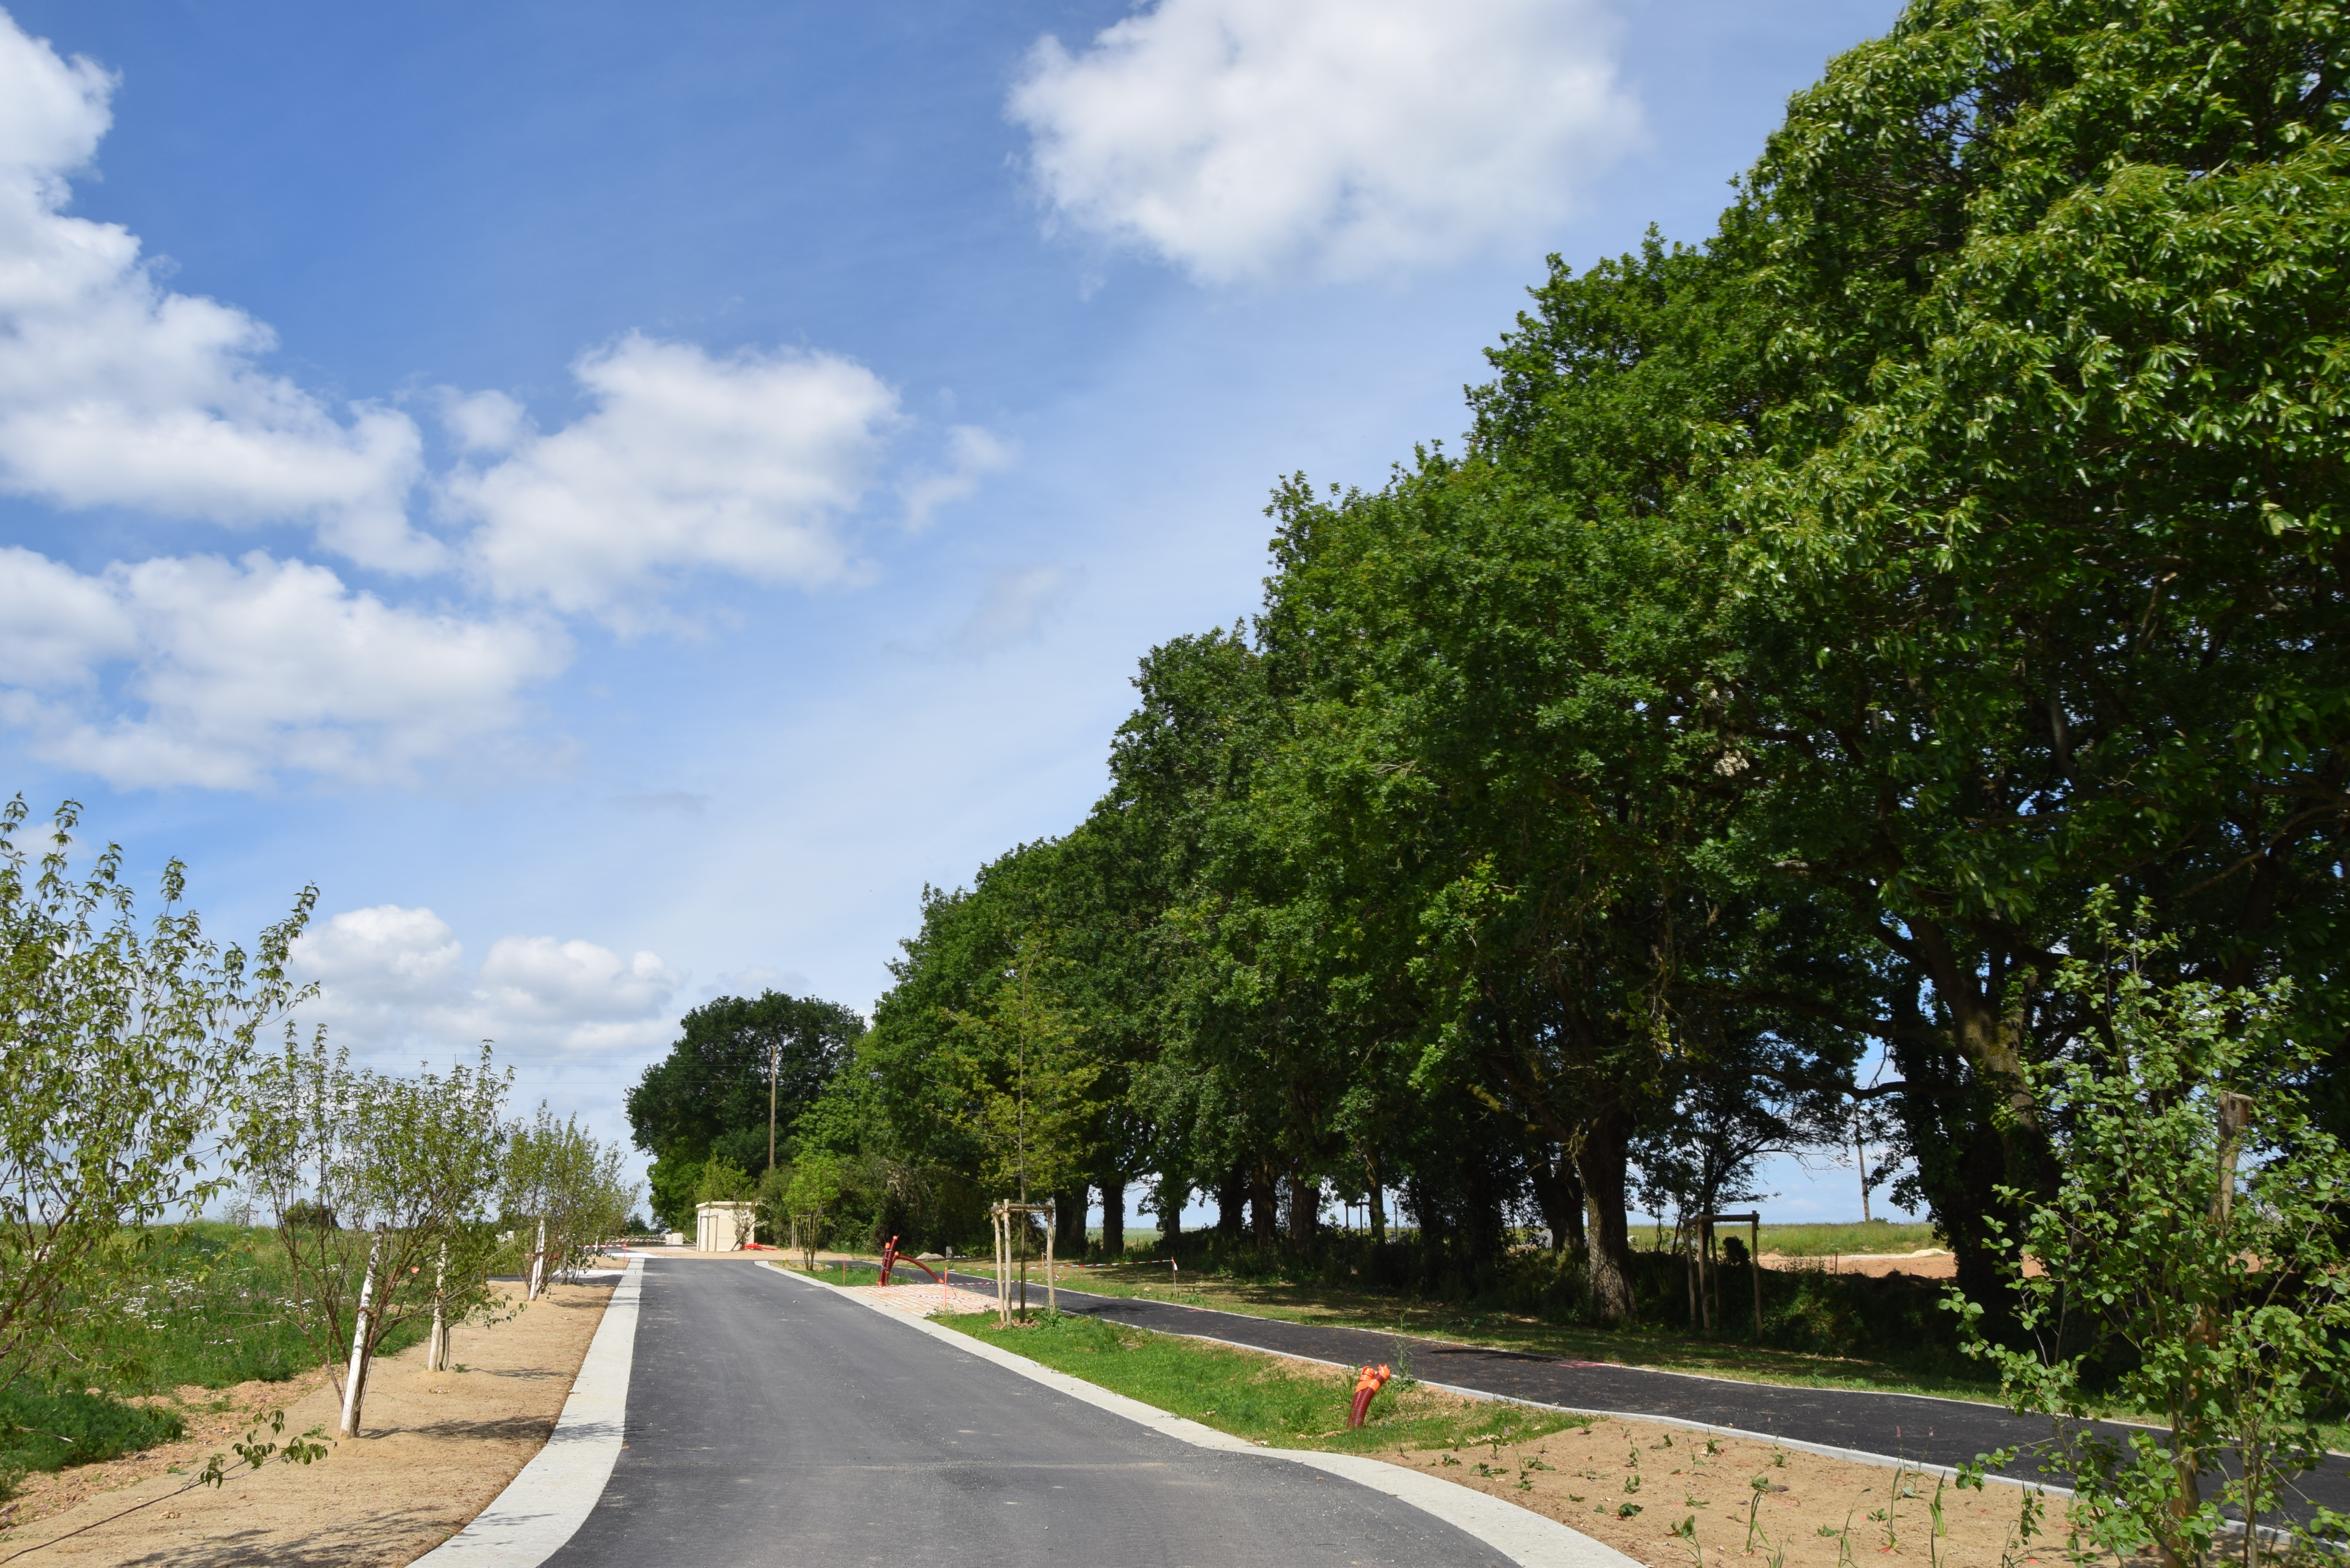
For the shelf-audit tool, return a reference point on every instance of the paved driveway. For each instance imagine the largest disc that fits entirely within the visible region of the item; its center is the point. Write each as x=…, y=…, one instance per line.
x=772, y=1421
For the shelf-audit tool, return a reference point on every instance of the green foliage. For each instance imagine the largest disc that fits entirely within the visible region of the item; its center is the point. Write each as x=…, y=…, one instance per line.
x=2196, y=1229
x=1021, y=1083
x=120, y=1049
x=1811, y=622
x=558, y=1174
x=408, y=1166
x=723, y=1181
x=2043, y=486
x=736, y=1062
x=47, y=1429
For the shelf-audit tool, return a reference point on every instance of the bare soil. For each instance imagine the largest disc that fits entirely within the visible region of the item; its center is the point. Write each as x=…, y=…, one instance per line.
x=1932, y=1263
x=1632, y=1484
x=434, y=1450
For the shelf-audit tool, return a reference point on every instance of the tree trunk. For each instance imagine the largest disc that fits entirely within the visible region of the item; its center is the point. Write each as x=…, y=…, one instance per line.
x=1113, y=1192
x=1379, y=1205
x=362, y=1342
x=1600, y=1163
x=1170, y=1197
x=436, y=1347
x=1304, y=1210
x=1263, y=1218
x=1231, y=1198
x=1069, y=1223
x=1559, y=1193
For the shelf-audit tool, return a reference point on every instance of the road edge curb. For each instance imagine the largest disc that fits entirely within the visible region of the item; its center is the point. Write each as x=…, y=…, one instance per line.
x=545, y=1505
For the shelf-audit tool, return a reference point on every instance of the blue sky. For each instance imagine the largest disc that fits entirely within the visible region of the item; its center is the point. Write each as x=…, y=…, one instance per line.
x=620, y=497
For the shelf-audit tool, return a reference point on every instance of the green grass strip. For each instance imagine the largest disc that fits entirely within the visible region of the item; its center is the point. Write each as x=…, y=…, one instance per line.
x=1265, y=1398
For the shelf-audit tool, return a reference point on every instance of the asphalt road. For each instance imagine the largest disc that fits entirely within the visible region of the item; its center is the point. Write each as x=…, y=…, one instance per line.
x=771, y=1420
x=1946, y=1432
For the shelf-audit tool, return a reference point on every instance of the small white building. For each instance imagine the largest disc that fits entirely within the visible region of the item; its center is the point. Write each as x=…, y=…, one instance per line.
x=723, y=1227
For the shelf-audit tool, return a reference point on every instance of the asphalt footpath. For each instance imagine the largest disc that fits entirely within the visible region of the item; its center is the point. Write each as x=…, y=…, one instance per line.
x=1927, y=1431
x=771, y=1419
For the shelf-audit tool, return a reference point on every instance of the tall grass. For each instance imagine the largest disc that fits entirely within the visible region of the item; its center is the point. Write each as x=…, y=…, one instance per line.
x=47, y=1429
x=214, y=1310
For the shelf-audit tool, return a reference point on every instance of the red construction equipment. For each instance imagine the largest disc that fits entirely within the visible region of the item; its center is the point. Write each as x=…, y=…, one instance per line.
x=1367, y=1389
x=891, y=1257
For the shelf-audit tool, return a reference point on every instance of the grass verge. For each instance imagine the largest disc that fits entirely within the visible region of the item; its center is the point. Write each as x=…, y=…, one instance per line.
x=1338, y=1307
x=1264, y=1398
x=846, y=1273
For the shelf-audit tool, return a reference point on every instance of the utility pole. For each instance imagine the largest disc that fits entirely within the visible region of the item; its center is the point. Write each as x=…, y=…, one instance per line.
x=1860, y=1151
x=775, y=1071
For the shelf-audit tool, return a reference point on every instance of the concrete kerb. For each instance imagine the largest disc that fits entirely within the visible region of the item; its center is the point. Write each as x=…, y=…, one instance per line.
x=1524, y=1537
x=545, y=1506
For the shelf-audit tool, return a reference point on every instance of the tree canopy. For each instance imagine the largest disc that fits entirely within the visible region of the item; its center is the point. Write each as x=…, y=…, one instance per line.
x=1812, y=621
x=710, y=1097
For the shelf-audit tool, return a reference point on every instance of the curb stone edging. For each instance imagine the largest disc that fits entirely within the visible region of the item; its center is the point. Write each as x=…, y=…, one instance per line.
x=544, y=1507
x=1529, y=1539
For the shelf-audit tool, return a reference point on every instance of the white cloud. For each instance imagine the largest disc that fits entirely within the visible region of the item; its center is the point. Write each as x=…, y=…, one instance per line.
x=483, y=421
x=971, y=455
x=383, y=957
x=688, y=462
x=1232, y=137
x=116, y=391
x=394, y=979
x=1014, y=607
x=225, y=673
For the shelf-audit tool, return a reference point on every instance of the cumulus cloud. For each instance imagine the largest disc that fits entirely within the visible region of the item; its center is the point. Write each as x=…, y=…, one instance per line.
x=393, y=979
x=117, y=391
x=200, y=671
x=687, y=462
x=1355, y=137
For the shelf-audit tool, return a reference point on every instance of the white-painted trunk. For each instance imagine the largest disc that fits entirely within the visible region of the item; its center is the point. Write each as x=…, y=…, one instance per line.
x=355, y=1380
x=538, y=1264
x=436, y=1348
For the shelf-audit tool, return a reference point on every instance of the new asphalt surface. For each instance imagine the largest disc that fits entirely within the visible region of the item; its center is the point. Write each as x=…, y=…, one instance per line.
x=1923, y=1430
x=770, y=1419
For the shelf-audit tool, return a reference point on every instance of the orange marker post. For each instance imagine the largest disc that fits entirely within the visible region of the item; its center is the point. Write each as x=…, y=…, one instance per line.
x=1367, y=1389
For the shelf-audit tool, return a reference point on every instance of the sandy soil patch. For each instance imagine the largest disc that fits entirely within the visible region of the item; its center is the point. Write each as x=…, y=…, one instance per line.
x=1932, y=1263
x=1633, y=1485
x=437, y=1448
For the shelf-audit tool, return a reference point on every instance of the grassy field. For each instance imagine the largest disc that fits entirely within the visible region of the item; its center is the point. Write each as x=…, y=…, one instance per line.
x=1286, y=1404
x=1860, y=1238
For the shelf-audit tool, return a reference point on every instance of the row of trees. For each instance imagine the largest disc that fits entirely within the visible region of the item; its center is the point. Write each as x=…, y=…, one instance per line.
x=1812, y=620
x=134, y=1087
